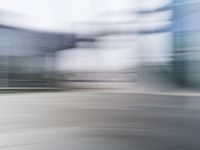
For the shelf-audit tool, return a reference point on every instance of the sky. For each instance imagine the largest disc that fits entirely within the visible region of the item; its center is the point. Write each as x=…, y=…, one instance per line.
x=59, y=14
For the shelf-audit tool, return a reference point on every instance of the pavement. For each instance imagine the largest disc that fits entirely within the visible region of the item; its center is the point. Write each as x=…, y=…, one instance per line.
x=99, y=121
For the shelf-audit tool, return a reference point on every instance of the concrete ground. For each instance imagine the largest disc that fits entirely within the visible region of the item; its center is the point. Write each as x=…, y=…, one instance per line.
x=99, y=121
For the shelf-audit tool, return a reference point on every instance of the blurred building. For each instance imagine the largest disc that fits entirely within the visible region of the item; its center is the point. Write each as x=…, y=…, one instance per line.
x=186, y=26
x=27, y=57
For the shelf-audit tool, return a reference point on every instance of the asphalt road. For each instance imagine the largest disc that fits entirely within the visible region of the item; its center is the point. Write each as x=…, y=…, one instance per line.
x=98, y=121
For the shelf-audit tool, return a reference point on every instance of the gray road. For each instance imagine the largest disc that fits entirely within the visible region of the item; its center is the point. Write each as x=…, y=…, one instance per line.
x=97, y=121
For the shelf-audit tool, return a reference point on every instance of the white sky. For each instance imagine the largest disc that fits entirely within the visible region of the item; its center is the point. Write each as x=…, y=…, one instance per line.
x=58, y=14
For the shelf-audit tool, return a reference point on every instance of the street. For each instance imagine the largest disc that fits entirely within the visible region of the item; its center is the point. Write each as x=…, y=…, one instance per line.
x=98, y=121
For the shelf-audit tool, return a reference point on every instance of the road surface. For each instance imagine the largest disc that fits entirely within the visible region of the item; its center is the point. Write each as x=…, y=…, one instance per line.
x=98, y=121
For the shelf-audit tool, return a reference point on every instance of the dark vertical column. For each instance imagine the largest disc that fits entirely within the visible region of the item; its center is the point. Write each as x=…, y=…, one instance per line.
x=50, y=69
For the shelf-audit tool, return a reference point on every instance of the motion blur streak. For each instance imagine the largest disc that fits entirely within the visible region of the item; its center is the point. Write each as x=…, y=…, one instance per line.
x=99, y=74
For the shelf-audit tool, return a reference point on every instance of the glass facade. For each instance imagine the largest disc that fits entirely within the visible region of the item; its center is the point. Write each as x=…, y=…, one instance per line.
x=186, y=29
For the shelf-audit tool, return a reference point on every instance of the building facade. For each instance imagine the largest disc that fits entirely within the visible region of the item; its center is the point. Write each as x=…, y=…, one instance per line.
x=27, y=57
